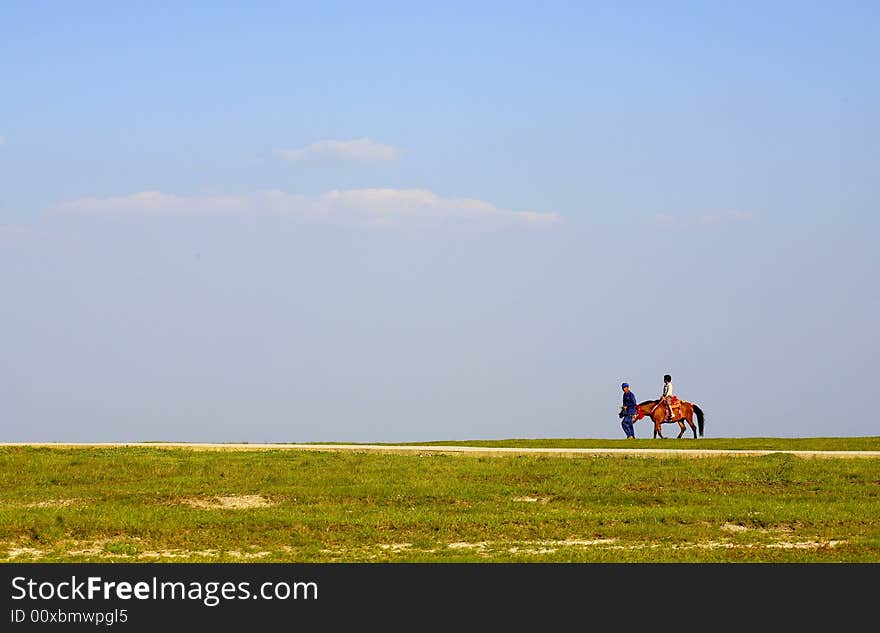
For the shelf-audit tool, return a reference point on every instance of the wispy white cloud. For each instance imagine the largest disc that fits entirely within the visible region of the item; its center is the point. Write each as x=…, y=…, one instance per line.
x=363, y=150
x=157, y=203
x=708, y=219
x=360, y=207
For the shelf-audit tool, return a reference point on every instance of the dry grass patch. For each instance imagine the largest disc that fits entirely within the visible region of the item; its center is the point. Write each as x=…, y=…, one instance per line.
x=130, y=548
x=806, y=544
x=532, y=547
x=714, y=545
x=159, y=554
x=737, y=527
x=395, y=547
x=531, y=499
x=230, y=502
x=464, y=545
x=734, y=527
x=24, y=552
x=53, y=503
x=95, y=548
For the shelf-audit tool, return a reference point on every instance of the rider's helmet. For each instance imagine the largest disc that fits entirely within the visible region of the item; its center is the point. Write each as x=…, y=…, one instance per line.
x=667, y=378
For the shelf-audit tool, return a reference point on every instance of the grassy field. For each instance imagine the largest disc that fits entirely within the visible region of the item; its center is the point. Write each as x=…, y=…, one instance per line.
x=671, y=430
x=166, y=504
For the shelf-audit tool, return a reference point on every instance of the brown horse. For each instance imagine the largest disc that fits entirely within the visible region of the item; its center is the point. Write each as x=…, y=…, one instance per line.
x=649, y=409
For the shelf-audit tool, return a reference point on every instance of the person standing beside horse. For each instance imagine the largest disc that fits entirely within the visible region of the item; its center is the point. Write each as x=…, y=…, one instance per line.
x=629, y=409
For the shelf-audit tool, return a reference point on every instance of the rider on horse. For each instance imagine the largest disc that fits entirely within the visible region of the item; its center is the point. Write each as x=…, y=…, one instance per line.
x=667, y=398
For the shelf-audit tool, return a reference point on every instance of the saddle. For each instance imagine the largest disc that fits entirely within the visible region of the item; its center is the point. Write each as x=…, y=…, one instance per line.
x=675, y=405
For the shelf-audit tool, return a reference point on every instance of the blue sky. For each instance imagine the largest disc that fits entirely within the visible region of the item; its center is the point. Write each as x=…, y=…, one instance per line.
x=425, y=221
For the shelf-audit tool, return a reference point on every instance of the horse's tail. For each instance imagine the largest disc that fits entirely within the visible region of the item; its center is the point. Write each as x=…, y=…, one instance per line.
x=700, y=418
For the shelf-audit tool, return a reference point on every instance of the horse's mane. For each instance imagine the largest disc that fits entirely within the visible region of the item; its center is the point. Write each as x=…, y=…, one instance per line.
x=647, y=402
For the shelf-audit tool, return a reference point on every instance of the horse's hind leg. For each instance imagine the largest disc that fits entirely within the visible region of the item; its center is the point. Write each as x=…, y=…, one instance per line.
x=680, y=433
x=693, y=427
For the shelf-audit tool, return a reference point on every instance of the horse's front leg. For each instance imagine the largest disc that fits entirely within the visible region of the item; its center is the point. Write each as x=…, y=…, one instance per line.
x=681, y=426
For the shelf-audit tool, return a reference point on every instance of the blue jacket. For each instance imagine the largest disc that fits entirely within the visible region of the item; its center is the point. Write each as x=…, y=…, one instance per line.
x=630, y=404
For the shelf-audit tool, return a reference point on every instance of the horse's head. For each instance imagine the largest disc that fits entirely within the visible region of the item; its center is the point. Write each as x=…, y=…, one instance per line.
x=646, y=408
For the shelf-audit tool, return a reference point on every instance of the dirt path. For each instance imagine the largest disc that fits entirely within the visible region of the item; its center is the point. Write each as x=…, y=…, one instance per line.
x=458, y=450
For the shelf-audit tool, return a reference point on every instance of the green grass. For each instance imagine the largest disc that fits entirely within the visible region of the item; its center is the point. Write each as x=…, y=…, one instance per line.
x=747, y=443
x=143, y=504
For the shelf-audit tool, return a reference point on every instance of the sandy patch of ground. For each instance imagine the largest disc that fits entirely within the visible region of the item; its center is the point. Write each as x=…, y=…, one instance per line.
x=550, y=547
x=17, y=552
x=102, y=549
x=379, y=551
x=806, y=544
x=530, y=499
x=248, y=555
x=579, y=543
x=52, y=503
x=818, y=544
x=95, y=548
x=539, y=547
x=532, y=547
x=208, y=553
x=734, y=527
x=395, y=547
x=230, y=502
x=99, y=549
x=533, y=551
x=464, y=545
